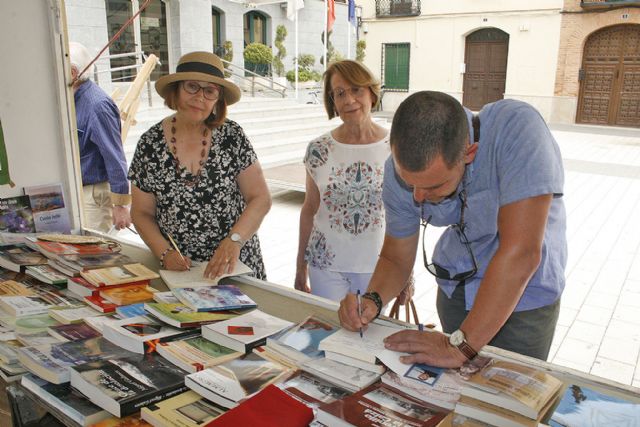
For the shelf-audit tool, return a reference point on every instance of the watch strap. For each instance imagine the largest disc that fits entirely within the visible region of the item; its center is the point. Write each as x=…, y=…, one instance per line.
x=467, y=350
x=375, y=297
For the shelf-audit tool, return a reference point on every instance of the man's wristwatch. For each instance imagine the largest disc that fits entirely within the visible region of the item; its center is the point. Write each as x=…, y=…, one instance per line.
x=236, y=238
x=457, y=339
x=375, y=297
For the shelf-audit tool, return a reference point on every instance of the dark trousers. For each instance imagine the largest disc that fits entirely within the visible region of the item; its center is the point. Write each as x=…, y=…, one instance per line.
x=527, y=332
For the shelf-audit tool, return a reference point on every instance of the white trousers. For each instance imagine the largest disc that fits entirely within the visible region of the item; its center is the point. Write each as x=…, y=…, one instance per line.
x=335, y=285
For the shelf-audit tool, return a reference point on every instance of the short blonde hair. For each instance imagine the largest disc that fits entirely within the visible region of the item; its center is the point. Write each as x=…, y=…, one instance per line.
x=357, y=75
x=214, y=120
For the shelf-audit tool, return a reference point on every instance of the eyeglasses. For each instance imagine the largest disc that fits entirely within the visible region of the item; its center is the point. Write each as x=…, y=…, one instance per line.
x=435, y=269
x=339, y=94
x=210, y=92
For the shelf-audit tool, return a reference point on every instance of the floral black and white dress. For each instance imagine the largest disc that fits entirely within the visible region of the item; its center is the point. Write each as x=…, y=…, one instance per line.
x=198, y=217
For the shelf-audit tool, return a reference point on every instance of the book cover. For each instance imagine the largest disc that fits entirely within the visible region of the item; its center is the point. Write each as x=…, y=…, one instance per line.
x=350, y=344
x=232, y=381
x=181, y=316
x=312, y=390
x=270, y=407
x=188, y=409
x=493, y=415
x=166, y=298
x=16, y=215
x=583, y=407
x=19, y=306
x=214, y=298
x=246, y=331
x=17, y=256
x=347, y=376
x=124, y=386
x=54, y=249
x=49, y=211
x=380, y=405
x=127, y=295
x=131, y=310
x=9, y=351
x=117, y=275
x=194, y=277
x=73, y=332
x=301, y=342
x=13, y=288
x=51, y=362
x=65, y=399
x=195, y=354
x=47, y=274
x=522, y=389
x=90, y=261
x=71, y=314
x=142, y=334
x=100, y=304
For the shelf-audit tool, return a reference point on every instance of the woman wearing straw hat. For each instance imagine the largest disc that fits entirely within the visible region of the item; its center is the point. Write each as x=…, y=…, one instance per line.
x=196, y=180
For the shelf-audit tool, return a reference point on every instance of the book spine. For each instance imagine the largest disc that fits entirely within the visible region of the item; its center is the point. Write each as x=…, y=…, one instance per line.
x=250, y=346
x=134, y=405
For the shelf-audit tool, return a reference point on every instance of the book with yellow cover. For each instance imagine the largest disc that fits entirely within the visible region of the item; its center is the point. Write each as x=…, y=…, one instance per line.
x=118, y=275
x=187, y=409
x=518, y=388
x=13, y=288
x=127, y=295
x=495, y=415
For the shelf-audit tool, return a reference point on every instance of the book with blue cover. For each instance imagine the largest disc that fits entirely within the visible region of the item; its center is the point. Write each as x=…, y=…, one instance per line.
x=583, y=407
x=214, y=298
x=300, y=342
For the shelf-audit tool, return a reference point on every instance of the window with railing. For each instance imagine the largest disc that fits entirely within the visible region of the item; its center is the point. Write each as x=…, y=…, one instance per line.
x=397, y=8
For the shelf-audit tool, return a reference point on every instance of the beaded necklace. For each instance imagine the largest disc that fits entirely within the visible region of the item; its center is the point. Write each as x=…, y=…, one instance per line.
x=195, y=178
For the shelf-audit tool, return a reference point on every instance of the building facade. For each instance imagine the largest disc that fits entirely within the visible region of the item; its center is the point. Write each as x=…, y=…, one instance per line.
x=480, y=52
x=171, y=28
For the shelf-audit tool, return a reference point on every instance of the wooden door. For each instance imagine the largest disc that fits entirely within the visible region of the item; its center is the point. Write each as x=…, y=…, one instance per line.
x=485, y=74
x=610, y=78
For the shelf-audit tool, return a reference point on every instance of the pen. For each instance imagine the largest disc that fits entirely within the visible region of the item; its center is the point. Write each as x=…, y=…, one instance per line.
x=131, y=230
x=359, y=308
x=178, y=250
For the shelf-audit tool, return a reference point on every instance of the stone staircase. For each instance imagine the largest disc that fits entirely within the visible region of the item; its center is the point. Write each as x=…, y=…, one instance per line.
x=279, y=128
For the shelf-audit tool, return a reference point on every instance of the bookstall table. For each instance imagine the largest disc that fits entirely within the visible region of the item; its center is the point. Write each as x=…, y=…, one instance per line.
x=295, y=306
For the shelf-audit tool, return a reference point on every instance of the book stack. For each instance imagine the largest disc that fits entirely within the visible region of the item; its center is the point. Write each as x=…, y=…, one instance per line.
x=17, y=257
x=506, y=394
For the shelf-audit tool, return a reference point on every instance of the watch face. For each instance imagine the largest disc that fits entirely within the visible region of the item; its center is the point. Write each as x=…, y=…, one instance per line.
x=235, y=237
x=456, y=338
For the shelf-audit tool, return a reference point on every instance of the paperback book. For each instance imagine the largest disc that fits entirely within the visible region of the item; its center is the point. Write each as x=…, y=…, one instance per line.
x=16, y=215
x=312, y=390
x=187, y=409
x=214, y=298
x=583, y=407
x=518, y=388
x=346, y=376
x=127, y=295
x=300, y=343
x=47, y=274
x=195, y=354
x=181, y=316
x=49, y=211
x=126, y=385
x=90, y=262
x=379, y=405
x=194, y=277
x=71, y=314
x=51, y=362
x=118, y=275
x=65, y=399
x=12, y=288
x=141, y=334
x=493, y=415
x=229, y=383
x=131, y=310
x=245, y=332
x=100, y=304
x=73, y=332
x=19, y=306
x=17, y=256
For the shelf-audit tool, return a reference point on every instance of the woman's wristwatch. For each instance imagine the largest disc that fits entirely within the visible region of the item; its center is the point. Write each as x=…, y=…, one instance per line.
x=375, y=297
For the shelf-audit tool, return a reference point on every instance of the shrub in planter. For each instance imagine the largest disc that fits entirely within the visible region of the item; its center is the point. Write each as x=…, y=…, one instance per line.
x=258, y=57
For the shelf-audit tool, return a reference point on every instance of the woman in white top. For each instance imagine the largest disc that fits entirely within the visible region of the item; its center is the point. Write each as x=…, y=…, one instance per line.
x=342, y=218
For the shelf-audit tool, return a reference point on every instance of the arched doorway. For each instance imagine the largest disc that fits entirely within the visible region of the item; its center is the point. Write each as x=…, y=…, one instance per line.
x=610, y=77
x=255, y=28
x=217, y=31
x=485, y=59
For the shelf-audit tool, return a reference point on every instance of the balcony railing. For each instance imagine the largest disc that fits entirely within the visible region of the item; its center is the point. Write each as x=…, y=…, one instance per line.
x=390, y=8
x=608, y=4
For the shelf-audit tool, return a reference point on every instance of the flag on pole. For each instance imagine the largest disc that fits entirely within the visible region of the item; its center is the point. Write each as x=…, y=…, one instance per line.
x=331, y=14
x=352, y=12
x=292, y=7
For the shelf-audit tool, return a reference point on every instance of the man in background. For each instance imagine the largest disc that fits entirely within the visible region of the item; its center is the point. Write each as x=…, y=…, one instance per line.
x=104, y=168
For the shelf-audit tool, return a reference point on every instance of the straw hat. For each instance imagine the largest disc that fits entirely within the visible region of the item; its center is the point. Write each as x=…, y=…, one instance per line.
x=204, y=67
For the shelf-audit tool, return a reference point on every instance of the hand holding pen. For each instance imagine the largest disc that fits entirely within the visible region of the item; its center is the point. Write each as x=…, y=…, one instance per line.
x=184, y=261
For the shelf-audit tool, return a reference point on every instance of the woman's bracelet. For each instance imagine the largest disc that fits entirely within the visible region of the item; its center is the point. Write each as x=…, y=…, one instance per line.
x=164, y=254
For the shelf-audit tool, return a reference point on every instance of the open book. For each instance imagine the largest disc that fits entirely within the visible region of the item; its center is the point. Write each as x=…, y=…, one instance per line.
x=195, y=277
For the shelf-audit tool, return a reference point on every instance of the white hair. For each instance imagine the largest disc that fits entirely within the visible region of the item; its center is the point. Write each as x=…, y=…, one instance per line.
x=79, y=57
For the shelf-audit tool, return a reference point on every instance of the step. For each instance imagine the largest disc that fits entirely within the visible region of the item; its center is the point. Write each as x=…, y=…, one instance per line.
x=248, y=124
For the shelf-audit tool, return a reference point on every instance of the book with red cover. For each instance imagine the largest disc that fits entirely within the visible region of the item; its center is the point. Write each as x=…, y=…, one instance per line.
x=51, y=249
x=81, y=287
x=100, y=304
x=270, y=408
x=380, y=405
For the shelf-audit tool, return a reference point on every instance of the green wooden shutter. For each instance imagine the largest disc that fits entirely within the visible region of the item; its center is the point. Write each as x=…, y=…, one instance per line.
x=396, y=66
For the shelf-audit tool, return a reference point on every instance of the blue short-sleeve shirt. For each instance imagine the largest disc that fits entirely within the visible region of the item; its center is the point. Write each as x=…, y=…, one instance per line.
x=517, y=158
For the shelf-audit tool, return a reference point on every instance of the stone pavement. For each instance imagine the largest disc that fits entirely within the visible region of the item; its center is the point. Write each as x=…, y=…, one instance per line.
x=599, y=326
